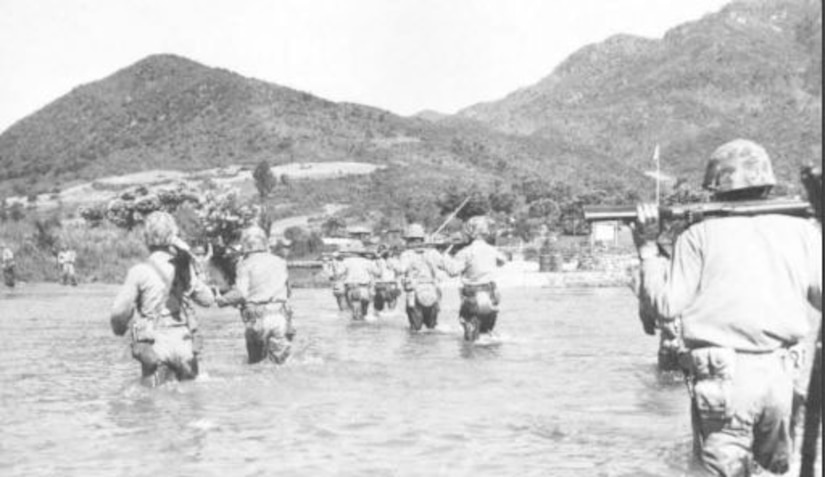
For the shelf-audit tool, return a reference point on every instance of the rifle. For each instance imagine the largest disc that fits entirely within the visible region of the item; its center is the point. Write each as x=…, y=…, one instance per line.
x=693, y=213
x=812, y=180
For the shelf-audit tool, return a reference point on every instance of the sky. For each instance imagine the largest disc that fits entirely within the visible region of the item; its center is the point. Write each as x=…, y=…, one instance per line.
x=404, y=56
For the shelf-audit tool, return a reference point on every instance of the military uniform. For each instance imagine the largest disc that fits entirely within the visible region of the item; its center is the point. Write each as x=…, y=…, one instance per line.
x=7, y=262
x=161, y=334
x=418, y=267
x=476, y=264
x=335, y=270
x=65, y=262
x=262, y=292
x=386, y=282
x=358, y=276
x=741, y=287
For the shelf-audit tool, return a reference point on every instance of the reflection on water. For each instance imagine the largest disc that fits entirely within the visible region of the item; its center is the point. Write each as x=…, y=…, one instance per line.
x=567, y=387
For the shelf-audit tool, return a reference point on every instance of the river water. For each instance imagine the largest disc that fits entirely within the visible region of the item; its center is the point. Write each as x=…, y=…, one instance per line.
x=569, y=388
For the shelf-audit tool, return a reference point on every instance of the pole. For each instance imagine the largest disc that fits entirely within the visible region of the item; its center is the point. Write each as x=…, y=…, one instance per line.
x=452, y=216
x=658, y=172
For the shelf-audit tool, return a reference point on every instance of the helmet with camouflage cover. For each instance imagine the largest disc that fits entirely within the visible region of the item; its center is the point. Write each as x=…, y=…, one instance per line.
x=477, y=227
x=737, y=165
x=160, y=229
x=253, y=239
x=414, y=231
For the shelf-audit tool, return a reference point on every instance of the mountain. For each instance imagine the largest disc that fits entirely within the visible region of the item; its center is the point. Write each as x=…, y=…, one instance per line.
x=752, y=70
x=169, y=112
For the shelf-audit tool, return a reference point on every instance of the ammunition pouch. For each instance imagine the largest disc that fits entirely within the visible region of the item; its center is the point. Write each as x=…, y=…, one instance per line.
x=358, y=291
x=426, y=294
x=712, y=371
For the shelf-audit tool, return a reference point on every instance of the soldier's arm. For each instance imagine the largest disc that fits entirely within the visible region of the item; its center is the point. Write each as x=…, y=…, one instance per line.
x=815, y=260
x=125, y=302
x=668, y=286
x=501, y=259
x=237, y=295
x=200, y=291
x=454, y=266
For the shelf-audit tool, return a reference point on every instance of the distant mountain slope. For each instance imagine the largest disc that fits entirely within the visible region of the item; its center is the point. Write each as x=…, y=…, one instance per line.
x=751, y=70
x=172, y=113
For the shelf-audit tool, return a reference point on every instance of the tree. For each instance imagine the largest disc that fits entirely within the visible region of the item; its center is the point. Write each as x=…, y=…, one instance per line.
x=264, y=179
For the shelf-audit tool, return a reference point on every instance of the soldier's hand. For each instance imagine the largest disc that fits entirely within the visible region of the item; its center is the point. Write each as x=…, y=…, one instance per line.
x=646, y=227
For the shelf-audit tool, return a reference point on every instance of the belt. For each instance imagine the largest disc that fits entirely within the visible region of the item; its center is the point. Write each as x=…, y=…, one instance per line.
x=489, y=286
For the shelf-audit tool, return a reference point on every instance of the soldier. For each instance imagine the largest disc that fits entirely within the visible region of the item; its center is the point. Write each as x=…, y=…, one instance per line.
x=358, y=275
x=159, y=290
x=418, y=266
x=476, y=263
x=262, y=292
x=334, y=268
x=741, y=286
x=387, y=290
x=65, y=263
x=7, y=262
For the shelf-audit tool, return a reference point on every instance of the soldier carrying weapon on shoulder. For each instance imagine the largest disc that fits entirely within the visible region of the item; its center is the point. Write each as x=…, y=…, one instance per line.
x=741, y=285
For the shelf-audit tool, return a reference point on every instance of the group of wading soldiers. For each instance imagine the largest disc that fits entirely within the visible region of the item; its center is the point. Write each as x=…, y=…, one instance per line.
x=357, y=280
x=155, y=304
x=740, y=289
x=66, y=258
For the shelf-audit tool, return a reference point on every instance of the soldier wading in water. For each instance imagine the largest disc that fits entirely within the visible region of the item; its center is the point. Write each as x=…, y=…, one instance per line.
x=476, y=263
x=153, y=304
x=418, y=267
x=262, y=292
x=742, y=287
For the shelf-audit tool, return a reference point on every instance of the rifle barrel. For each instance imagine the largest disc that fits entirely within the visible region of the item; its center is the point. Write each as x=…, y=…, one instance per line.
x=627, y=213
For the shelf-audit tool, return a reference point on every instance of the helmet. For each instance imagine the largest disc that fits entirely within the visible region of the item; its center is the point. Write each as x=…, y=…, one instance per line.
x=253, y=239
x=414, y=231
x=160, y=229
x=736, y=165
x=477, y=227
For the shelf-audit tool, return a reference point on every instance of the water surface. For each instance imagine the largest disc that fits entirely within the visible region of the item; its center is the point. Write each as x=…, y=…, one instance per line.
x=569, y=388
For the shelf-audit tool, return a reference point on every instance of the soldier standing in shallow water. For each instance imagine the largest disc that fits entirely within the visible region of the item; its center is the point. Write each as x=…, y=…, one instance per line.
x=333, y=266
x=7, y=262
x=476, y=264
x=418, y=266
x=262, y=292
x=159, y=290
x=65, y=263
x=742, y=287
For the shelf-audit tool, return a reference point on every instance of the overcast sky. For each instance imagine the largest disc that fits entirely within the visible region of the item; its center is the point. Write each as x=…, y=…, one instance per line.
x=400, y=55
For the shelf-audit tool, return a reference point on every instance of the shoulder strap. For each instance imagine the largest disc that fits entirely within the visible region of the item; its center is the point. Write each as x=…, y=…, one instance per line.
x=167, y=284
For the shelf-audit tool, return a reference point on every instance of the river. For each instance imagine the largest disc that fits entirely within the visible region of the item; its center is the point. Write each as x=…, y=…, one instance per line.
x=569, y=388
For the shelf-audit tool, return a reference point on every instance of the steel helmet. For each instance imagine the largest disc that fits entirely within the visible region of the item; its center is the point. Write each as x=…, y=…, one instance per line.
x=477, y=227
x=253, y=239
x=160, y=229
x=738, y=164
x=414, y=231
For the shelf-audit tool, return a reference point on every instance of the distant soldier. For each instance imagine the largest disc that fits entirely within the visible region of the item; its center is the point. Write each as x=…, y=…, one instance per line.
x=334, y=268
x=262, y=292
x=476, y=264
x=742, y=287
x=7, y=262
x=158, y=292
x=65, y=263
x=358, y=275
x=387, y=290
x=418, y=266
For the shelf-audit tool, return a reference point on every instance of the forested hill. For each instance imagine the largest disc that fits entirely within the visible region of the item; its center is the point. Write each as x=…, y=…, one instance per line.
x=170, y=112
x=752, y=70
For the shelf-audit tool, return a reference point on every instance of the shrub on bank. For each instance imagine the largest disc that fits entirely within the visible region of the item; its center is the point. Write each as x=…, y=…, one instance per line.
x=104, y=253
